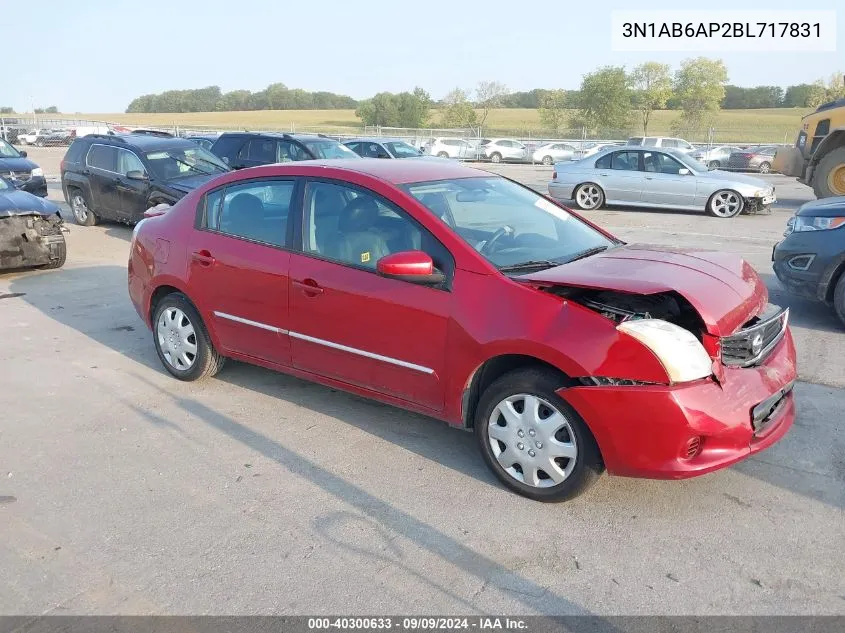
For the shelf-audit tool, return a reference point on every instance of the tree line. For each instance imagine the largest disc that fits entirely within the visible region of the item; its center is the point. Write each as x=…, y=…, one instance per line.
x=276, y=96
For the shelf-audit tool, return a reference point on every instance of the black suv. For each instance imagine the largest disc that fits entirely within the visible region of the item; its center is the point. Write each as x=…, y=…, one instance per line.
x=118, y=177
x=250, y=149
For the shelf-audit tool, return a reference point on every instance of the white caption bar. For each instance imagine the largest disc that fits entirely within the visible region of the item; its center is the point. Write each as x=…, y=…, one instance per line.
x=718, y=31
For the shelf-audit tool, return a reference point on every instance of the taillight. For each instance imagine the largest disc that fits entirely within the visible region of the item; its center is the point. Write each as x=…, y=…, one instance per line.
x=554, y=175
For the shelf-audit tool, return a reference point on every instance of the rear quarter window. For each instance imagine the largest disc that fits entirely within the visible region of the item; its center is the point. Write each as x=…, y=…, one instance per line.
x=228, y=146
x=76, y=151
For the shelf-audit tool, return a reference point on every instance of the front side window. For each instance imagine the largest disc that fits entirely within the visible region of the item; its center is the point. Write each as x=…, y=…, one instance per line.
x=7, y=151
x=510, y=225
x=127, y=161
x=255, y=211
x=179, y=162
x=329, y=149
x=102, y=157
x=400, y=149
x=357, y=227
x=660, y=163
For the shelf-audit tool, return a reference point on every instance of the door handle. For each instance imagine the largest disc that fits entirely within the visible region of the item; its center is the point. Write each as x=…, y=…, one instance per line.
x=602, y=174
x=203, y=258
x=649, y=177
x=308, y=286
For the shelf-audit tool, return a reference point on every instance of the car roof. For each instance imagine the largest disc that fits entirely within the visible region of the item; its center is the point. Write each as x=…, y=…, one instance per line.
x=396, y=172
x=374, y=139
x=296, y=137
x=143, y=142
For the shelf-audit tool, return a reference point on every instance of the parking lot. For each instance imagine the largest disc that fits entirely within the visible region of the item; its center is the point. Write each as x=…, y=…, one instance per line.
x=125, y=491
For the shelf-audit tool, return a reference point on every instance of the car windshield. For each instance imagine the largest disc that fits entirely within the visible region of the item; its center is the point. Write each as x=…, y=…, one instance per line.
x=4, y=184
x=7, y=151
x=688, y=160
x=329, y=149
x=169, y=164
x=400, y=149
x=516, y=229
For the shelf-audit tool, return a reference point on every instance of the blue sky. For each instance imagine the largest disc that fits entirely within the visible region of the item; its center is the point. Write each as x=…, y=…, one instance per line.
x=96, y=56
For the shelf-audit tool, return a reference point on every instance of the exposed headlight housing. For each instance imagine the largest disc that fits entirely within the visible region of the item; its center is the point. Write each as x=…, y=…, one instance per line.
x=37, y=172
x=809, y=223
x=681, y=354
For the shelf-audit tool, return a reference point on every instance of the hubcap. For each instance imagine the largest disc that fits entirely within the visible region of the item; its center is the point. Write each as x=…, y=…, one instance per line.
x=177, y=339
x=588, y=196
x=532, y=441
x=726, y=204
x=765, y=168
x=836, y=180
x=547, y=160
x=80, y=210
x=495, y=158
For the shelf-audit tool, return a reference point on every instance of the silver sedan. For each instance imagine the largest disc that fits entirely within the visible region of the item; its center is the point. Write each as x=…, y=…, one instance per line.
x=662, y=178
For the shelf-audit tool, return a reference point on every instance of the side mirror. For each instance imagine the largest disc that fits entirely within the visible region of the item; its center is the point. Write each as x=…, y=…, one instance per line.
x=683, y=171
x=413, y=266
x=23, y=153
x=136, y=174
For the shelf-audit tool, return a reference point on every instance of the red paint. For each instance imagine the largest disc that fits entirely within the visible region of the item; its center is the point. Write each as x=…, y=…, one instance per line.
x=442, y=337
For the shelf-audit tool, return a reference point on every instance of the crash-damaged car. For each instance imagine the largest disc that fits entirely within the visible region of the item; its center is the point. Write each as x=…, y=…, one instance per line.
x=31, y=230
x=470, y=298
x=637, y=176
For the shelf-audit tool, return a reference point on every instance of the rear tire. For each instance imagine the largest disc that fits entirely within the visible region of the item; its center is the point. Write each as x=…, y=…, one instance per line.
x=442, y=155
x=588, y=196
x=526, y=453
x=548, y=160
x=839, y=298
x=82, y=213
x=713, y=164
x=496, y=157
x=765, y=167
x=182, y=341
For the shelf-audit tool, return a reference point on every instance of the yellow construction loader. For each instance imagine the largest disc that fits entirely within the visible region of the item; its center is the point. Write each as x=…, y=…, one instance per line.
x=818, y=158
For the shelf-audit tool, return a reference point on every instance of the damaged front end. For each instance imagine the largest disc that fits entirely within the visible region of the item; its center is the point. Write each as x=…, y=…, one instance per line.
x=30, y=239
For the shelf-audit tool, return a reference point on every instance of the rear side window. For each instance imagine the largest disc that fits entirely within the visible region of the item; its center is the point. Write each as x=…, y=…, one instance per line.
x=256, y=210
x=102, y=157
x=75, y=151
x=227, y=146
x=604, y=162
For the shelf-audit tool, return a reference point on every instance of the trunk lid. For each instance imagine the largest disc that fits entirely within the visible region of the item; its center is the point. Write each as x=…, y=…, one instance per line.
x=724, y=289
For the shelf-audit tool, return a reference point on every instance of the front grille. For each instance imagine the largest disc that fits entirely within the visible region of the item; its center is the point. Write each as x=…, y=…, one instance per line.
x=22, y=176
x=753, y=343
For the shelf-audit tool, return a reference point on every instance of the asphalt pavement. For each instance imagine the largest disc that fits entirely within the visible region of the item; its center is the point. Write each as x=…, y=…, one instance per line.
x=124, y=491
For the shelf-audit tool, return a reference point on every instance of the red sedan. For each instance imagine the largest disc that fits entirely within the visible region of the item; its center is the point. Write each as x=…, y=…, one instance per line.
x=467, y=297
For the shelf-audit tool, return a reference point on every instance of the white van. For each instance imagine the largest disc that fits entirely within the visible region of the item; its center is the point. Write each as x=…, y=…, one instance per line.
x=661, y=141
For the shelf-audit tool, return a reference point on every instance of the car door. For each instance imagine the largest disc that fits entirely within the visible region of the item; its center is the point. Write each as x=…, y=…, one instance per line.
x=350, y=324
x=101, y=165
x=239, y=263
x=133, y=193
x=664, y=185
x=620, y=173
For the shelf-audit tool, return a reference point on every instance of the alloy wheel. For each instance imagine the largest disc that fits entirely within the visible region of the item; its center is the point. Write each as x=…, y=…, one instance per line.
x=177, y=338
x=726, y=204
x=532, y=441
x=547, y=160
x=765, y=168
x=588, y=197
x=79, y=208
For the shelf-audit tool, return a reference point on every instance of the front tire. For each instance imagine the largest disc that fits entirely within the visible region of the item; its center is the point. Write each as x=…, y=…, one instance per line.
x=534, y=441
x=496, y=157
x=588, y=196
x=839, y=298
x=442, y=155
x=725, y=203
x=713, y=164
x=182, y=341
x=829, y=177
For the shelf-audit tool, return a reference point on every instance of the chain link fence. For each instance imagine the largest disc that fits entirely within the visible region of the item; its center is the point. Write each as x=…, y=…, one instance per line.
x=517, y=144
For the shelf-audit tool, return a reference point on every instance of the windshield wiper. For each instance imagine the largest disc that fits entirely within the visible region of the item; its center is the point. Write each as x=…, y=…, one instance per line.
x=533, y=263
x=188, y=165
x=587, y=253
x=217, y=167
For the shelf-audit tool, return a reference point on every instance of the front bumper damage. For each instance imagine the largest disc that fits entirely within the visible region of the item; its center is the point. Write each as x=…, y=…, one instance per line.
x=28, y=241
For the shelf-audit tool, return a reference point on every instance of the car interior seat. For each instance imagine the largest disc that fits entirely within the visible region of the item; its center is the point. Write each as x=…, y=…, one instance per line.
x=357, y=240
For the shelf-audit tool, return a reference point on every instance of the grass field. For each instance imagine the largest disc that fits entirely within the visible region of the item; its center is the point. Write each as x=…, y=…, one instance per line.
x=771, y=125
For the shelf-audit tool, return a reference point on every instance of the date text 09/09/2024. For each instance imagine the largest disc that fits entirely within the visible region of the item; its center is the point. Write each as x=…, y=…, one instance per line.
x=750, y=30
x=416, y=623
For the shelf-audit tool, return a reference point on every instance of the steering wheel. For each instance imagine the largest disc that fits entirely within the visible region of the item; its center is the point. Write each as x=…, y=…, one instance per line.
x=487, y=247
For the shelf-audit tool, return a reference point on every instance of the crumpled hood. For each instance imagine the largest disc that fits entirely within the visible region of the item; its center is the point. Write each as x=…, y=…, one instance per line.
x=724, y=289
x=16, y=202
x=189, y=183
x=753, y=181
x=18, y=163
